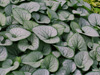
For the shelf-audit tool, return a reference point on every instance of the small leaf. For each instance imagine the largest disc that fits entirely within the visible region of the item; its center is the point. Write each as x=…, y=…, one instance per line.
x=51, y=63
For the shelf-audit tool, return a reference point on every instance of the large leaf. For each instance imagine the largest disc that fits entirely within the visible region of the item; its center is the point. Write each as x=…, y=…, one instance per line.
x=77, y=42
x=21, y=15
x=83, y=60
x=3, y=53
x=31, y=6
x=41, y=72
x=17, y=33
x=48, y=34
x=51, y=63
x=65, y=51
x=94, y=19
x=2, y=19
x=89, y=31
x=33, y=59
x=31, y=43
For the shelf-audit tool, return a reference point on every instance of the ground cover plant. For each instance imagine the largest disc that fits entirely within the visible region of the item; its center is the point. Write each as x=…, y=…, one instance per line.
x=49, y=37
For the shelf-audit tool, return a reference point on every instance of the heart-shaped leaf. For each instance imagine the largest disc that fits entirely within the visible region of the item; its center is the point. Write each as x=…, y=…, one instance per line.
x=83, y=60
x=33, y=59
x=48, y=34
x=51, y=63
x=21, y=15
x=16, y=34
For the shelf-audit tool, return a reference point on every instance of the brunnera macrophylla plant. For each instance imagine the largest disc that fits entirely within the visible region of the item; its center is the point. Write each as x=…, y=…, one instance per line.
x=49, y=37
